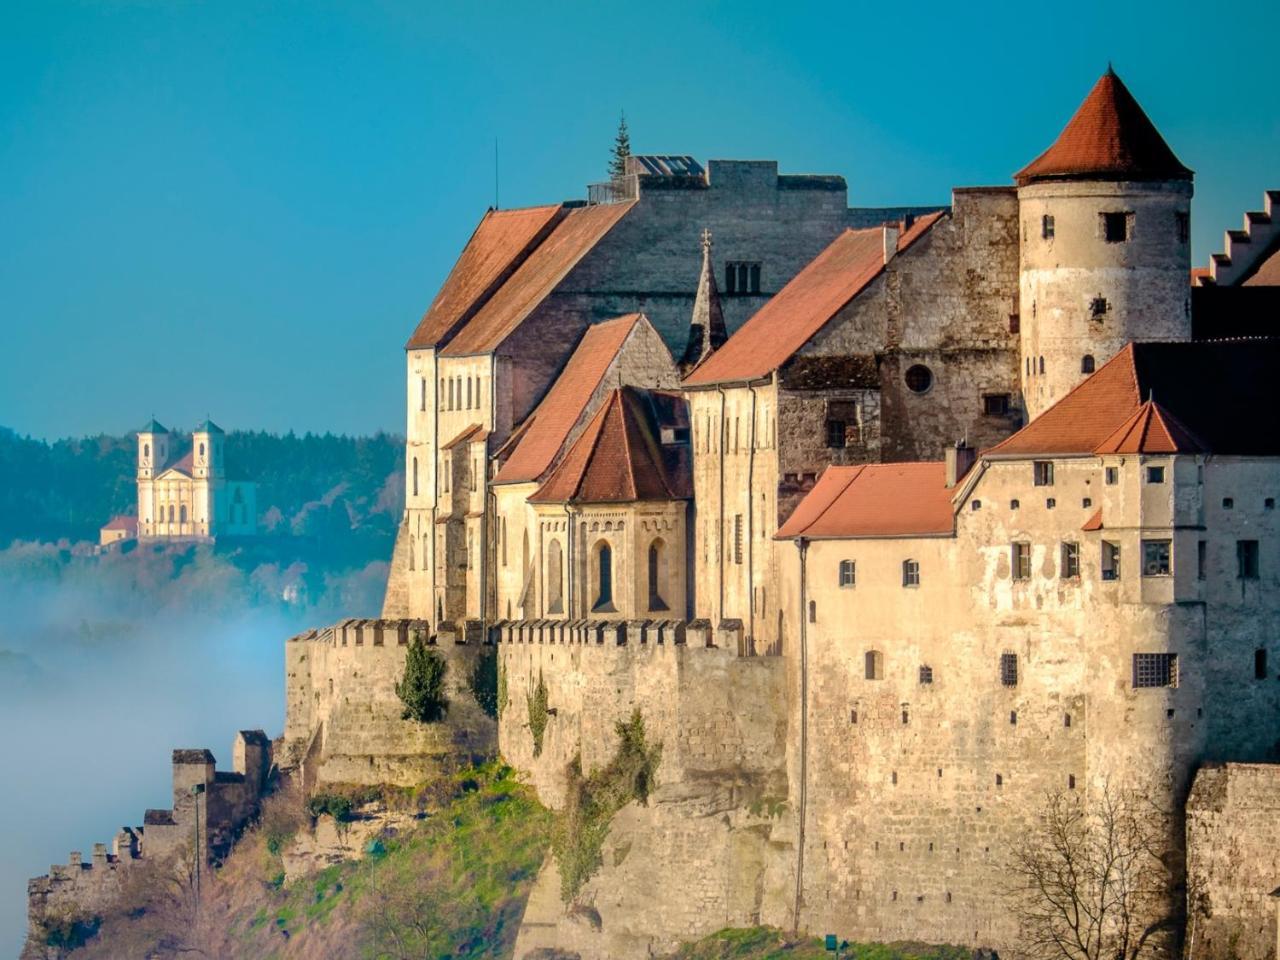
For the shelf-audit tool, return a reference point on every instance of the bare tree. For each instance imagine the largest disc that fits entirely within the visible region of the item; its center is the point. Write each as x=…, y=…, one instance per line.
x=1090, y=882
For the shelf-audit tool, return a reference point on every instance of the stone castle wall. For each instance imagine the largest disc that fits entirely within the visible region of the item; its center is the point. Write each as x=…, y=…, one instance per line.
x=1233, y=861
x=703, y=854
x=343, y=720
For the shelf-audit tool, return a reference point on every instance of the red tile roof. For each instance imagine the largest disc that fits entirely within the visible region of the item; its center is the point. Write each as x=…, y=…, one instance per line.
x=875, y=500
x=1267, y=273
x=472, y=434
x=500, y=243
x=183, y=464
x=619, y=457
x=1109, y=138
x=128, y=524
x=1151, y=429
x=1206, y=392
x=1094, y=522
x=562, y=408
x=805, y=305
x=537, y=276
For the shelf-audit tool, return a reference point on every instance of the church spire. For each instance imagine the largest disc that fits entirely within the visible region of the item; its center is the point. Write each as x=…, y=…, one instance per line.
x=707, y=332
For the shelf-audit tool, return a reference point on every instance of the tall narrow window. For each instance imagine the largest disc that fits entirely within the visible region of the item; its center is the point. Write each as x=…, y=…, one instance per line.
x=1202, y=556
x=1247, y=559
x=171, y=513
x=1260, y=664
x=1183, y=224
x=656, y=564
x=755, y=278
x=1087, y=363
x=737, y=538
x=1110, y=560
x=422, y=403
x=1022, y=561
x=836, y=434
x=415, y=476
x=730, y=278
x=604, y=577
x=1009, y=669
x=555, y=578
x=874, y=664
x=1070, y=561
x=1046, y=227
x=451, y=393
x=468, y=393
x=911, y=573
x=182, y=514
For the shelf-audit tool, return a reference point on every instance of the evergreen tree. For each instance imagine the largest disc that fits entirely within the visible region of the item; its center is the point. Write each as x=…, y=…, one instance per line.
x=422, y=687
x=621, y=150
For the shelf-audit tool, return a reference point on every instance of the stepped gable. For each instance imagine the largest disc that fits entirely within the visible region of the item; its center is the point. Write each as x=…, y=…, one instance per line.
x=874, y=500
x=1210, y=394
x=560, y=410
x=620, y=457
x=574, y=236
x=1251, y=255
x=500, y=243
x=798, y=311
x=1109, y=138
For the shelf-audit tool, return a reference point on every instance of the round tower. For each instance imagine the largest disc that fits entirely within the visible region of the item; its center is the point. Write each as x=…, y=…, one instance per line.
x=1106, y=244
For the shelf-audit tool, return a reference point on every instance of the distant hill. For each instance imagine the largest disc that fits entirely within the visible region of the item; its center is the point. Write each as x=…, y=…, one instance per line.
x=325, y=487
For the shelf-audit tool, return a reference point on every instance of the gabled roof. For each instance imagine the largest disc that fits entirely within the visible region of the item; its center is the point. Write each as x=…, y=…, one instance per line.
x=500, y=242
x=805, y=305
x=182, y=465
x=474, y=433
x=561, y=409
x=1214, y=395
x=123, y=522
x=619, y=457
x=208, y=427
x=574, y=235
x=874, y=500
x=154, y=426
x=1151, y=429
x=1109, y=138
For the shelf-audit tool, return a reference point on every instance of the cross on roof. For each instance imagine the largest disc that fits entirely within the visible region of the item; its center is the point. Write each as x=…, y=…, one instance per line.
x=706, y=240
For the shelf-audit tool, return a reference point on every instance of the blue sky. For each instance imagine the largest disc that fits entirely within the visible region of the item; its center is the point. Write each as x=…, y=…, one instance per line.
x=242, y=209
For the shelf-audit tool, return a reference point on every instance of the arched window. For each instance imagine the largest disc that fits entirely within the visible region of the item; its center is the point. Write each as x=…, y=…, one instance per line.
x=182, y=514
x=555, y=578
x=657, y=567
x=604, y=577
x=413, y=552
x=874, y=663
x=415, y=476
x=202, y=449
x=171, y=513
x=146, y=449
x=468, y=393
x=1086, y=364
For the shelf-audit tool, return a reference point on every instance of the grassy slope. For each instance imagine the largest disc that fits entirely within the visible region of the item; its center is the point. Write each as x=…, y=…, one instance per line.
x=765, y=943
x=453, y=887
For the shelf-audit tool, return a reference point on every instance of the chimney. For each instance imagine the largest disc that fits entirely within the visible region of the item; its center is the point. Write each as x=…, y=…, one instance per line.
x=890, y=241
x=959, y=459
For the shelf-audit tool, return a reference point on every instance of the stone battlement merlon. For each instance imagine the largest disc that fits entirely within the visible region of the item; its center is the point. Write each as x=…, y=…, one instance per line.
x=694, y=634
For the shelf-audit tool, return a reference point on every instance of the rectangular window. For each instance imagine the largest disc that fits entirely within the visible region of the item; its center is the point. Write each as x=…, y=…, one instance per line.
x=1155, y=670
x=1115, y=226
x=1022, y=561
x=1247, y=559
x=1009, y=669
x=742, y=276
x=1098, y=308
x=423, y=386
x=1070, y=561
x=1155, y=558
x=926, y=674
x=1046, y=227
x=1015, y=323
x=1155, y=474
x=1110, y=560
x=737, y=538
x=1183, y=221
x=911, y=573
x=848, y=573
x=996, y=404
x=1112, y=476
x=1259, y=664
x=1043, y=473
x=1202, y=557
x=836, y=434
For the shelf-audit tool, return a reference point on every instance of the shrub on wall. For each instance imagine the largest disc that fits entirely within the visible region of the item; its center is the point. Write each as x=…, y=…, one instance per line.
x=483, y=681
x=537, y=701
x=591, y=802
x=421, y=689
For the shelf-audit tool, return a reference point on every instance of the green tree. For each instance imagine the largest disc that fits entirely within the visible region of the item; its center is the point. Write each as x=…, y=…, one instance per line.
x=621, y=150
x=421, y=689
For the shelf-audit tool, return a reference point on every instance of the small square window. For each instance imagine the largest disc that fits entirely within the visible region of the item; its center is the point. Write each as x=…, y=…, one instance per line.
x=848, y=573
x=1269, y=503
x=1070, y=561
x=926, y=674
x=1155, y=558
x=975, y=505
x=995, y=404
x=1112, y=476
x=1115, y=227
x=1098, y=307
x=1247, y=559
x=1087, y=502
x=1021, y=561
x=1042, y=472
x=1155, y=474
x=1228, y=503
x=1050, y=503
x=1014, y=504
x=1155, y=670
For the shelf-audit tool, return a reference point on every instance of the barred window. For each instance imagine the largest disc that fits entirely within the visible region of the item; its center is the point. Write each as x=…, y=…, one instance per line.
x=737, y=538
x=1022, y=561
x=1155, y=670
x=1009, y=669
x=848, y=573
x=1043, y=473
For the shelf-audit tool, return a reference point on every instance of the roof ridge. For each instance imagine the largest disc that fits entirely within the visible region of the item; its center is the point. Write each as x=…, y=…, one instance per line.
x=857, y=472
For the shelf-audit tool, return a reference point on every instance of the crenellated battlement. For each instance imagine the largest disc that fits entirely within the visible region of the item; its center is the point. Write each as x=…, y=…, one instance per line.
x=694, y=634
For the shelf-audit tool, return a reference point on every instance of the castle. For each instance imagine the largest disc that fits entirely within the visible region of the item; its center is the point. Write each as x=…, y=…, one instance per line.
x=939, y=512
x=184, y=494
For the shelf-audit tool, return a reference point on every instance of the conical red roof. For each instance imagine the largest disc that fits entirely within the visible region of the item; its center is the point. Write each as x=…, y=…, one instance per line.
x=1109, y=138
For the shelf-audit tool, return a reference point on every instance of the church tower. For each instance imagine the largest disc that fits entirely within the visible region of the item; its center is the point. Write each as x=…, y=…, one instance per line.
x=206, y=451
x=208, y=509
x=707, y=332
x=1105, y=244
x=153, y=449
